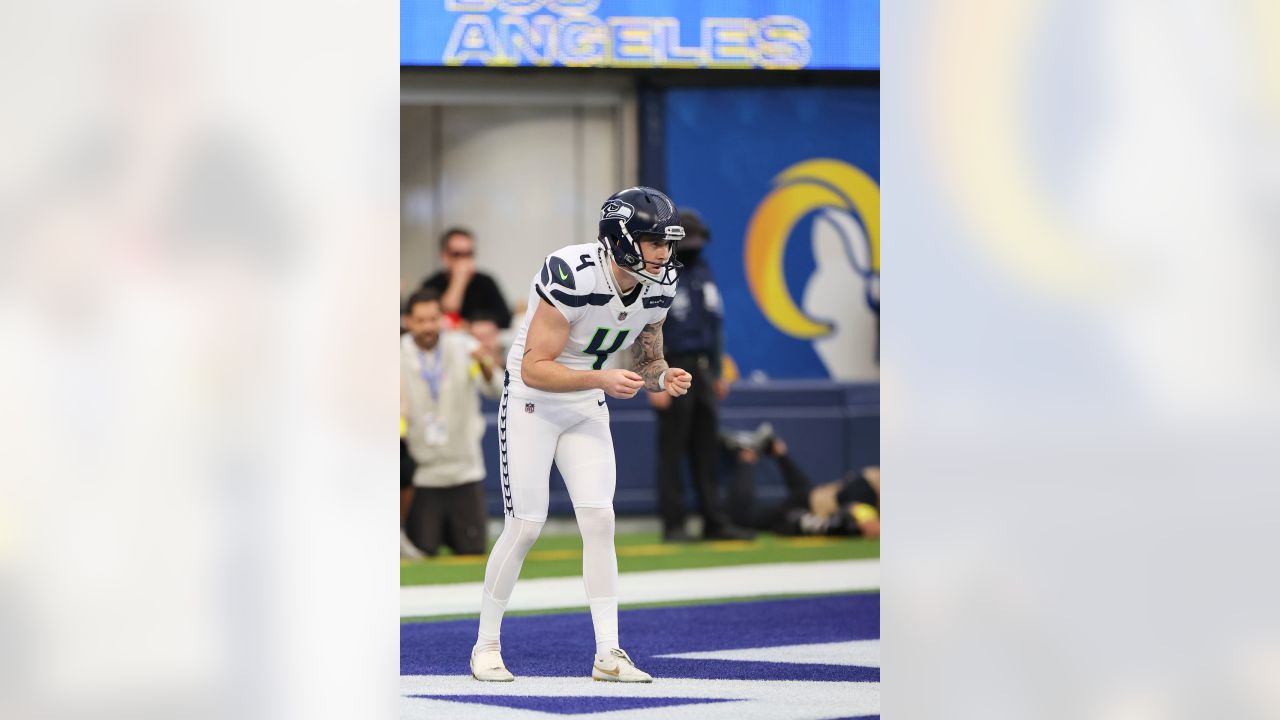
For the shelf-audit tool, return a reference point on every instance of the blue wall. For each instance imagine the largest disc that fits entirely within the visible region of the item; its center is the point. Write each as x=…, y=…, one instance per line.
x=829, y=428
x=725, y=150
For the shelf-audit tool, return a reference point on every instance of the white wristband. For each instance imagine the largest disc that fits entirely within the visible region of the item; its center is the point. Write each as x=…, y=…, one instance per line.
x=662, y=381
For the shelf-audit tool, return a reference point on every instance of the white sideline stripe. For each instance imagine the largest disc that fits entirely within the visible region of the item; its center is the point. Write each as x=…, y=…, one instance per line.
x=748, y=699
x=654, y=586
x=860, y=653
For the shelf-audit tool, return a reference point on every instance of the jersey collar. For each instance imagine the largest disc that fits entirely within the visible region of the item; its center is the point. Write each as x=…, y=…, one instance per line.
x=618, y=310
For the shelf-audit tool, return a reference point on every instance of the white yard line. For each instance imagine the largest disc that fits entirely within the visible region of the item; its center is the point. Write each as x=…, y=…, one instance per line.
x=655, y=586
x=747, y=699
x=861, y=653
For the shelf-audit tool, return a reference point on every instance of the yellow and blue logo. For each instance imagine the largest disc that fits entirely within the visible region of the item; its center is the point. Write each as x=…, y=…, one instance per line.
x=802, y=189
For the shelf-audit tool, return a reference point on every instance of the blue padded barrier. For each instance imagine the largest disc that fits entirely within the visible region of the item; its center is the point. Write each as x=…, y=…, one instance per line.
x=829, y=428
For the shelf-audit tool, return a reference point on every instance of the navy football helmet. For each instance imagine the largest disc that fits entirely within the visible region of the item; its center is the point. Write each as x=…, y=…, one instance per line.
x=630, y=215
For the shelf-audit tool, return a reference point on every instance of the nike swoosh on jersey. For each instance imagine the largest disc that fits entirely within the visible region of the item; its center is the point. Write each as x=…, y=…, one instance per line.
x=599, y=402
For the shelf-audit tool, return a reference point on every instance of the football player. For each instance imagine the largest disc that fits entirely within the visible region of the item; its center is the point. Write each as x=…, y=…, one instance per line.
x=586, y=303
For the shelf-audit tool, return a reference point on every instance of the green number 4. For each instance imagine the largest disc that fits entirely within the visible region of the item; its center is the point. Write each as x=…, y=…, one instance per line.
x=597, y=342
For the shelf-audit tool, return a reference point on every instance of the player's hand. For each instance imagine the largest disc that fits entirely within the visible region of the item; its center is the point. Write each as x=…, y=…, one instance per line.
x=622, y=384
x=678, y=382
x=659, y=400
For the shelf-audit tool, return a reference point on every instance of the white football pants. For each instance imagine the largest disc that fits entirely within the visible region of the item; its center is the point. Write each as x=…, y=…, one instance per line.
x=532, y=433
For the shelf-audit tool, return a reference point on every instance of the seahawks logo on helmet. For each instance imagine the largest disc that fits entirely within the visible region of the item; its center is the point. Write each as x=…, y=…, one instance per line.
x=616, y=209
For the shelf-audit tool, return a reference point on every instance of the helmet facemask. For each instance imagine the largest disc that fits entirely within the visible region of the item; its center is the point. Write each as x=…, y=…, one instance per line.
x=629, y=256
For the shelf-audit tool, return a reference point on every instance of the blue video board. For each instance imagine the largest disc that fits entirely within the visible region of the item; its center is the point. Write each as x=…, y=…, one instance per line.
x=714, y=34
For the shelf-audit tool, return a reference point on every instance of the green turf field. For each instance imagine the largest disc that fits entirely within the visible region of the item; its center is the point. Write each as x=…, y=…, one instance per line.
x=561, y=555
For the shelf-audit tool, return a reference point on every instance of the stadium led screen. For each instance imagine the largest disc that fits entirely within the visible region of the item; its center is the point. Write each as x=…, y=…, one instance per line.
x=769, y=34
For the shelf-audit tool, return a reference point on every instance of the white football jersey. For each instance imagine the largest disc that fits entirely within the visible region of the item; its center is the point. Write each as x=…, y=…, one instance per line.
x=578, y=281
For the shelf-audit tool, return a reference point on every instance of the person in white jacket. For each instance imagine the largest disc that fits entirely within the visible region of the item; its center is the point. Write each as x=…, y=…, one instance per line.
x=442, y=376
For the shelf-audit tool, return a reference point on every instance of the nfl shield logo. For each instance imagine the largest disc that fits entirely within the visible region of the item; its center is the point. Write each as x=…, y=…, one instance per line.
x=528, y=407
x=622, y=316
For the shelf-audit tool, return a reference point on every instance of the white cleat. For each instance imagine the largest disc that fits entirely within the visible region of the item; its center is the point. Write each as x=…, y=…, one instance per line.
x=618, y=667
x=487, y=665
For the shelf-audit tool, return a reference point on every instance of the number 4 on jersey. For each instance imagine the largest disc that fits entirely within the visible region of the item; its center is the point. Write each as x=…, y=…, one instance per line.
x=597, y=342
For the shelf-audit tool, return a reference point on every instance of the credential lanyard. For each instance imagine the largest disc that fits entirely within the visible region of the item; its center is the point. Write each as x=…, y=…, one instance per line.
x=432, y=374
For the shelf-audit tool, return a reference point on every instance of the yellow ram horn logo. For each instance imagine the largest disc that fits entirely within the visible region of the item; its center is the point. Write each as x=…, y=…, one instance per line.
x=798, y=191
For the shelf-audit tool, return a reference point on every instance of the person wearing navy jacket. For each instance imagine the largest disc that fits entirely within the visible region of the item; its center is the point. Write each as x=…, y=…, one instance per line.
x=688, y=426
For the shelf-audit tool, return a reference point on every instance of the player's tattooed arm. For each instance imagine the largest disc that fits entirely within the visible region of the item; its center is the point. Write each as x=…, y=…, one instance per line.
x=646, y=356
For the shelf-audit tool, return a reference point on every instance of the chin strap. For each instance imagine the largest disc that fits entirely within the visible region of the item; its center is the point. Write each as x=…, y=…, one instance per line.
x=644, y=279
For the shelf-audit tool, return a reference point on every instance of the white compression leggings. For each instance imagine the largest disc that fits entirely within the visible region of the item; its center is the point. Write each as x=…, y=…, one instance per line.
x=599, y=575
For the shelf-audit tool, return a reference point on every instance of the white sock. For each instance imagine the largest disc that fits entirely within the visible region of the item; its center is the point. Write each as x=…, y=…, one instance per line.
x=490, y=633
x=604, y=617
x=600, y=574
x=500, y=574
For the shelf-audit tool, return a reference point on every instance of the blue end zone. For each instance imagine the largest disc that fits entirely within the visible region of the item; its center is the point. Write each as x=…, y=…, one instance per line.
x=563, y=645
